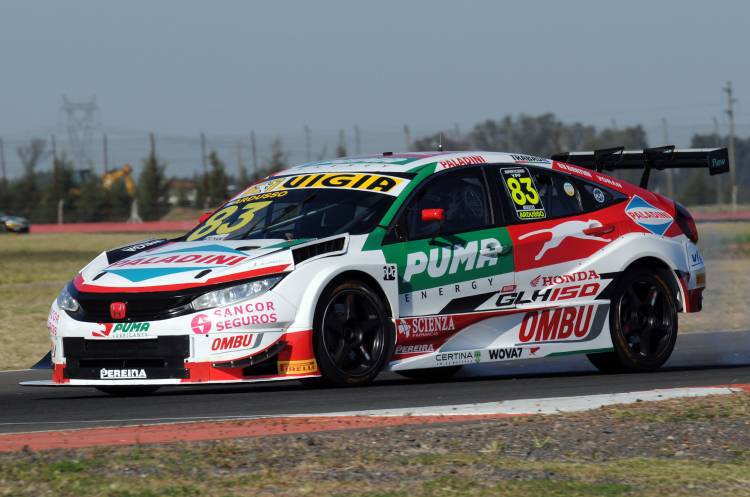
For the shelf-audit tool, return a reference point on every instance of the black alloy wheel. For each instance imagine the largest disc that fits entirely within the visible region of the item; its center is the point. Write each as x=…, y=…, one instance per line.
x=353, y=336
x=643, y=323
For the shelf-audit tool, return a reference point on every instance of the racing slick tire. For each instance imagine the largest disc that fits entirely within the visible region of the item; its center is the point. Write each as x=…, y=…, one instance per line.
x=353, y=336
x=642, y=321
x=133, y=391
x=431, y=374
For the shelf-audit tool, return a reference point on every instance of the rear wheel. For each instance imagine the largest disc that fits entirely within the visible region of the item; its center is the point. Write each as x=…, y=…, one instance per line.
x=643, y=323
x=431, y=374
x=133, y=391
x=353, y=336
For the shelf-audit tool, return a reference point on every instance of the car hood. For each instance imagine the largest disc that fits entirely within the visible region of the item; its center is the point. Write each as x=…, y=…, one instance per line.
x=162, y=265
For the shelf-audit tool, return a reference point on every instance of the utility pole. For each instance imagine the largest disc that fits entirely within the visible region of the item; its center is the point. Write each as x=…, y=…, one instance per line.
x=2, y=161
x=357, y=141
x=307, y=143
x=255, y=154
x=54, y=148
x=105, y=152
x=719, y=186
x=240, y=166
x=152, y=143
x=203, y=153
x=670, y=172
x=733, y=165
x=407, y=137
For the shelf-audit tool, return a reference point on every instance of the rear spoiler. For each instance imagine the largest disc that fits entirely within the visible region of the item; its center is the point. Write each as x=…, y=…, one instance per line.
x=716, y=160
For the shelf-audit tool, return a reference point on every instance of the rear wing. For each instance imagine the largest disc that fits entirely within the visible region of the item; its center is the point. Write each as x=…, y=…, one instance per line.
x=716, y=160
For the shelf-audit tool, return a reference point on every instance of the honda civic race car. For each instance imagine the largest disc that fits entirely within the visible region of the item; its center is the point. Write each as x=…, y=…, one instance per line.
x=416, y=263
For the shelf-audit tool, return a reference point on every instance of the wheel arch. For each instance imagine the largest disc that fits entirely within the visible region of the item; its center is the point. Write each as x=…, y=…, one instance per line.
x=368, y=279
x=671, y=273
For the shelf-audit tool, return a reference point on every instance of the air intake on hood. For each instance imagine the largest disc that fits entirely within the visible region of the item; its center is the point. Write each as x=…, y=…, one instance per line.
x=309, y=251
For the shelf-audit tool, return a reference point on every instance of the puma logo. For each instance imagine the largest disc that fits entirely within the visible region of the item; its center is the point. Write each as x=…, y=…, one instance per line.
x=568, y=229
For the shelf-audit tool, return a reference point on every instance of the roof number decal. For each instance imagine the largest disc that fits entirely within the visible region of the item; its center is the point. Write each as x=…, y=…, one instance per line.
x=522, y=190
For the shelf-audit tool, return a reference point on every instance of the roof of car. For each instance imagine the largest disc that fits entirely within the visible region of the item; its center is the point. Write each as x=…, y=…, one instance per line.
x=413, y=161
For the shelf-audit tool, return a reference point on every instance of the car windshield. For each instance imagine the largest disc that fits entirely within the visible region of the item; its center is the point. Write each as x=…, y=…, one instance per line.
x=295, y=214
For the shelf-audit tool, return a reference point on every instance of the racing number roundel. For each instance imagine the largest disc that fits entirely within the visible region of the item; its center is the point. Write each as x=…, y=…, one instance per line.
x=523, y=193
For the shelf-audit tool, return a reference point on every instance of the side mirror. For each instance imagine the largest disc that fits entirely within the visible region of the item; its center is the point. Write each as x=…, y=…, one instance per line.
x=429, y=215
x=204, y=216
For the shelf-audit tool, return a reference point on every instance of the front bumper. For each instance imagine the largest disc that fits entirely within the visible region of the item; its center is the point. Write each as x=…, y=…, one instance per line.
x=249, y=341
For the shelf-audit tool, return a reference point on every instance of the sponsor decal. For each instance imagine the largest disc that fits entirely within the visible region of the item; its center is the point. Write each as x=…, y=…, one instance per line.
x=534, y=350
x=137, y=247
x=426, y=327
x=569, y=189
x=245, y=315
x=52, y=321
x=456, y=358
x=144, y=267
x=449, y=260
x=462, y=161
x=262, y=196
x=526, y=159
x=508, y=353
x=599, y=195
x=696, y=259
x=298, y=367
x=549, y=294
x=421, y=348
x=442, y=261
x=574, y=169
x=648, y=217
x=235, y=342
x=122, y=330
x=561, y=232
x=200, y=324
x=389, y=272
x=566, y=324
x=524, y=194
x=380, y=183
x=608, y=181
x=122, y=374
x=543, y=280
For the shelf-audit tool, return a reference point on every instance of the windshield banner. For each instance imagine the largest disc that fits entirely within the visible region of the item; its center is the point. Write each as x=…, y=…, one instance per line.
x=378, y=183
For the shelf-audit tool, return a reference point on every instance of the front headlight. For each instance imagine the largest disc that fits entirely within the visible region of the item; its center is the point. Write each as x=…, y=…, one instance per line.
x=232, y=294
x=66, y=302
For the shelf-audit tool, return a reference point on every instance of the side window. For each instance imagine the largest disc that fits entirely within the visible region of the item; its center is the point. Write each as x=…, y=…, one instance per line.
x=561, y=194
x=596, y=196
x=463, y=198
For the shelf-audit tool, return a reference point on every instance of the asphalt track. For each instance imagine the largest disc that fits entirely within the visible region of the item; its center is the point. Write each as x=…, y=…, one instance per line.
x=700, y=359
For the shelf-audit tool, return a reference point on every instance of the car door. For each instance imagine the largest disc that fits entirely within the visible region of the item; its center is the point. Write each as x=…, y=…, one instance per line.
x=556, y=225
x=451, y=254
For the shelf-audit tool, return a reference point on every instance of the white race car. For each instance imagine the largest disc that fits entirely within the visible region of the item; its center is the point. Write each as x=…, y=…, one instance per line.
x=417, y=263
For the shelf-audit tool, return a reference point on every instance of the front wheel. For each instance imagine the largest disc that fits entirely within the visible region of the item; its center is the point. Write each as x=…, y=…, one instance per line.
x=353, y=336
x=643, y=323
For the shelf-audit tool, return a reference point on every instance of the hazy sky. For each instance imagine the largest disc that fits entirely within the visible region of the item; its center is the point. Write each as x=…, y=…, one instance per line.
x=179, y=67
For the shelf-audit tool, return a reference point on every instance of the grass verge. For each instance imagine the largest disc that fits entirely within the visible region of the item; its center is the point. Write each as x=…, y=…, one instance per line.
x=647, y=449
x=33, y=269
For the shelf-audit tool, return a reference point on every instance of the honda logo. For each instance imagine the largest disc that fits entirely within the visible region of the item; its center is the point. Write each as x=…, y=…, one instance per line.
x=118, y=310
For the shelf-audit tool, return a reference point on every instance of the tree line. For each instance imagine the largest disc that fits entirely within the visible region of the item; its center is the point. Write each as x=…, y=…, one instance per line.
x=545, y=134
x=74, y=195
x=78, y=195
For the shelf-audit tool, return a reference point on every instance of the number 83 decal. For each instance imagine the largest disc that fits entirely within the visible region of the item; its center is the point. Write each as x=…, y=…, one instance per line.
x=227, y=220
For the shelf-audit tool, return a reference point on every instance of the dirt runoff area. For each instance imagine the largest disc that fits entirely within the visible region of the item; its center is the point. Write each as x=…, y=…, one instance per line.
x=683, y=447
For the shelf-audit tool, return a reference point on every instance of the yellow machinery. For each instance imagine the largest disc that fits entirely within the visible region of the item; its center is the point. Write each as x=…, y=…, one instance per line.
x=125, y=172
